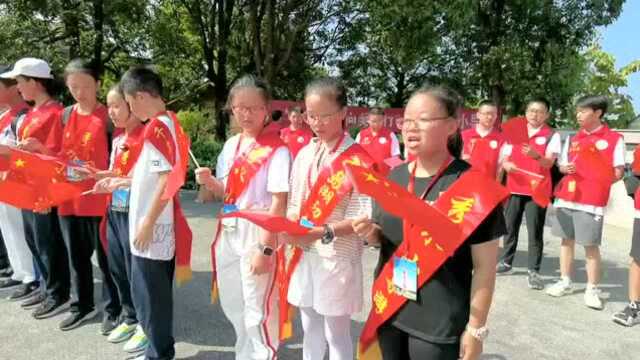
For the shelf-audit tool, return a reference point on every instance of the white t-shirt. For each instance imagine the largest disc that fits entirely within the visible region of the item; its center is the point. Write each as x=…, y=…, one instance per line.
x=553, y=148
x=145, y=175
x=273, y=177
x=618, y=160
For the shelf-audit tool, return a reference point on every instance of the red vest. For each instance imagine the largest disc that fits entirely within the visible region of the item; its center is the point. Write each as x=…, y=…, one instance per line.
x=295, y=139
x=378, y=146
x=517, y=182
x=580, y=189
x=486, y=161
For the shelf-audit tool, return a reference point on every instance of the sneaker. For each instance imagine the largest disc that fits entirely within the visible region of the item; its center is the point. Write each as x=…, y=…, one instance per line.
x=629, y=316
x=560, y=288
x=109, y=322
x=592, y=298
x=121, y=333
x=534, y=281
x=8, y=283
x=140, y=357
x=34, y=301
x=48, y=308
x=138, y=341
x=76, y=318
x=24, y=291
x=503, y=268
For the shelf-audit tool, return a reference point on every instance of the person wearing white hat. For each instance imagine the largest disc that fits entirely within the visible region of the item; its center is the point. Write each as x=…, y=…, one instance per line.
x=41, y=132
x=11, y=226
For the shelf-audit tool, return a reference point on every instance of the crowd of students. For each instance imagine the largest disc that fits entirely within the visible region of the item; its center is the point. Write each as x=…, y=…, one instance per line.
x=138, y=232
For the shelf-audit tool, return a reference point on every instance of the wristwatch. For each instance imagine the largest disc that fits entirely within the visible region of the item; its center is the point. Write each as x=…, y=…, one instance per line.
x=328, y=235
x=265, y=250
x=480, y=333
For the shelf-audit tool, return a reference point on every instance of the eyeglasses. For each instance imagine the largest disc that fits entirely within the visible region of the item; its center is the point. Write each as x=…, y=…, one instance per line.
x=422, y=122
x=326, y=118
x=247, y=109
x=536, y=111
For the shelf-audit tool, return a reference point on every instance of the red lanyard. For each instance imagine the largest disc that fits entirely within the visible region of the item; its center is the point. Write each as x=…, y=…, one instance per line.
x=411, y=188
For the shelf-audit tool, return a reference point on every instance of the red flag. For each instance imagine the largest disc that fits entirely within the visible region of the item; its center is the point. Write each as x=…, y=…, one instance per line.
x=271, y=223
x=539, y=186
x=515, y=131
x=480, y=151
x=31, y=167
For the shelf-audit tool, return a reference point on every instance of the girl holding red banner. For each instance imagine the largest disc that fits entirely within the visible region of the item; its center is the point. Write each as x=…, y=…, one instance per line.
x=326, y=284
x=483, y=142
x=41, y=132
x=592, y=160
x=297, y=135
x=252, y=173
x=445, y=317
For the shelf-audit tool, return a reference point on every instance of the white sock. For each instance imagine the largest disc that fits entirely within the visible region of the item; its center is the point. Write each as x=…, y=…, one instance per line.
x=566, y=280
x=592, y=286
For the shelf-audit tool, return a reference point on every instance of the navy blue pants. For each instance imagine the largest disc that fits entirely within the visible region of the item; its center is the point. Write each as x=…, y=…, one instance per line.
x=42, y=233
x=152, y=290
x=81, y=236
x=119, y=255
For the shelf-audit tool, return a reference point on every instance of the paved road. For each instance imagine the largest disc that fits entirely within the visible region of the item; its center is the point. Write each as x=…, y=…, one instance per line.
x=524, y=324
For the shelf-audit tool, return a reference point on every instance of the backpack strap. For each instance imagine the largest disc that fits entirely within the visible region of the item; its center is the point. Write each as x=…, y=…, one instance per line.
x=18, y=120
x=66, y=115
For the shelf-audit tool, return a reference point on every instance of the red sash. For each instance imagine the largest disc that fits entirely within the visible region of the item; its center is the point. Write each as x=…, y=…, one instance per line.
x=176, y=152
x=331, y=186
x=430, y=248
x=244, y=168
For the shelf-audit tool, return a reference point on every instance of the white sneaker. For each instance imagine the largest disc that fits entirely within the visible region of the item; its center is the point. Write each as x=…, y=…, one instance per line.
x=592, y=298
x=138, y=341
x=560, y=288
x=121, y=333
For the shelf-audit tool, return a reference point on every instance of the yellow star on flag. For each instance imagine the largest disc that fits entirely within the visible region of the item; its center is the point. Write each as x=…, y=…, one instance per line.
x=20, y=163
x=371, y=178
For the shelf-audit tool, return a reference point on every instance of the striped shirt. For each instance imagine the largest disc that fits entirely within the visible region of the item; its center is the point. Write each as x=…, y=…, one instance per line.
x=309, y=162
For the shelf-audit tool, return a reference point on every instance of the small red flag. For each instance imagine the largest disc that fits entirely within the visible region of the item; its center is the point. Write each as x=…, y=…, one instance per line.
x=515, y=131
x=271, y=223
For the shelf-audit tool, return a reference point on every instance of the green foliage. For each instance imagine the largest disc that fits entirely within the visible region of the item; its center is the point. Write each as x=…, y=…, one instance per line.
x=198, y=124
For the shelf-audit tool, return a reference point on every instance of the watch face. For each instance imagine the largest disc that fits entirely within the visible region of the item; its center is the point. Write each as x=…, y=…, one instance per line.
x=267, y=251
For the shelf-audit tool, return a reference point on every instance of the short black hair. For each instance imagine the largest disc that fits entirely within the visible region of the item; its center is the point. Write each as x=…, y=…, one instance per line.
x=276, y=115
x=141, y=79
x=487, y=102
x=84, y=66
x=539, y=100
x=330, y=86
x=594, y=102
x=295, y=109
x=376, y=110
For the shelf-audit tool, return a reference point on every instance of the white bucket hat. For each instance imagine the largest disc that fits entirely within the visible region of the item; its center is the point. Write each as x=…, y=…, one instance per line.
x=31, y=67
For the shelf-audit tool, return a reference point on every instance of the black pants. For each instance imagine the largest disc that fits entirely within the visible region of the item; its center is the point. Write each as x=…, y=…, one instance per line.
x=42, y=233
x=535, y=215
x=396, y=344
x=152, y=290
x=81, y=236
x=4, y=257
x=119, y=254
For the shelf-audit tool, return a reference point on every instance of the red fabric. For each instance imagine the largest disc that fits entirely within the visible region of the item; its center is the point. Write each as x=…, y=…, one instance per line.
x=158, y=134
x=271, y=223
x=377, y=145
x=515, y=131
x=10, y=114
x=483, y=152
x=296, y=139
x=44, y=124
x=592, y=155
x=36, y=182
x=85, y=139
x=517, y=182
x=460, y=210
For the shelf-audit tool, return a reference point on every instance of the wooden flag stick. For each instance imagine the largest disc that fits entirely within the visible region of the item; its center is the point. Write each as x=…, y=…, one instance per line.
x=193, y=158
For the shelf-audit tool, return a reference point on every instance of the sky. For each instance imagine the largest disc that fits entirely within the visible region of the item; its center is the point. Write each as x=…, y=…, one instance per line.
x=620, y=39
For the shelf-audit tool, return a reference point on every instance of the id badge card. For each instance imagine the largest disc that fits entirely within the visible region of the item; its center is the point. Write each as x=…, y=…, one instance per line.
x=72, y=174
x=229, y=224
x=405, y=277
x=120, y=200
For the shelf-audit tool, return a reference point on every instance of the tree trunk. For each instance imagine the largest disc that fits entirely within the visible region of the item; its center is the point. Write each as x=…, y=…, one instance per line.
x=98, y=27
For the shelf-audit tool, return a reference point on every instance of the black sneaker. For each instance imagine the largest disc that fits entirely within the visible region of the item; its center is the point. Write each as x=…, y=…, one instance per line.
x=75, y=319
x=629, y=316
x=24, y=291
x=34, y=300
x=109, y=322
x=9, y=282
x=48, y=308
x=503, y=268
x=534, y=281
x=6, y=272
